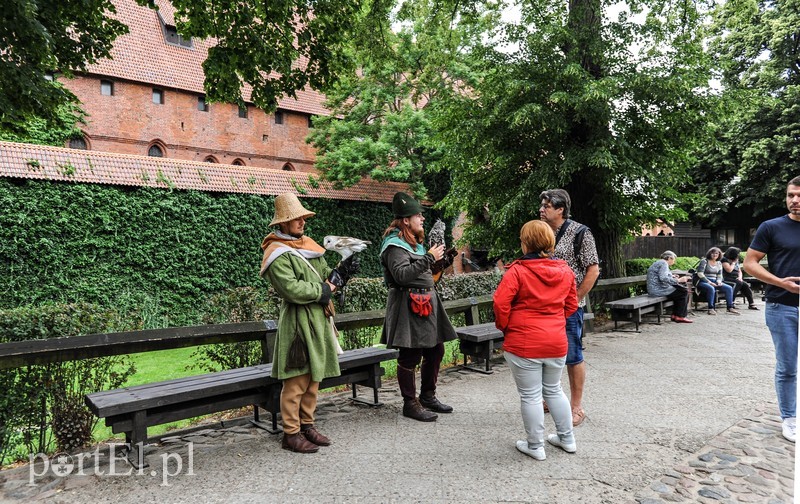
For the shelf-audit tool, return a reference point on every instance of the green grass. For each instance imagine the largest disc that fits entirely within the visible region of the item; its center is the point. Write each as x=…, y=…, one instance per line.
x=153, y=367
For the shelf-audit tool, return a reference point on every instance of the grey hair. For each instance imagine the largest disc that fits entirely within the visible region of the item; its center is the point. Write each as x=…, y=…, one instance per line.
x=559, y=198
x=668, y=254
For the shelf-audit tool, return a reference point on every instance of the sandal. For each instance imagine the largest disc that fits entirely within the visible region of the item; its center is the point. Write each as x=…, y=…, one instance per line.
x=578, y=417
x=546, y=409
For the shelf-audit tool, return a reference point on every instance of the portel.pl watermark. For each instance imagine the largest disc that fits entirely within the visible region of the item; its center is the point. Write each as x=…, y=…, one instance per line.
x=84, y=464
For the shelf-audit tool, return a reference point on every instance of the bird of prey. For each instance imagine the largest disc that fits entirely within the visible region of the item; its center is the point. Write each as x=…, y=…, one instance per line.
x=436, y=235
x=344, y=245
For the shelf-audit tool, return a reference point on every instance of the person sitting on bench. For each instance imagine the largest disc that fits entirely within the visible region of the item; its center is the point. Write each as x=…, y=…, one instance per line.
x=732, y=275
x=660, y=282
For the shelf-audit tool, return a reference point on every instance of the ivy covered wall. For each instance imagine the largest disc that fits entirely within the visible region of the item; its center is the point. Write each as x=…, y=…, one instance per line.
x=113, y=246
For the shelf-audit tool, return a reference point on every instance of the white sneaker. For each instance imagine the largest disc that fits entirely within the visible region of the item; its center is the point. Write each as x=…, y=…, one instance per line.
x=537, y=453
x=554, y=440
x=790, y=428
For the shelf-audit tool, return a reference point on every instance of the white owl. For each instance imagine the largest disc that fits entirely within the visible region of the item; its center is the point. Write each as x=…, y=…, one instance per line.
x=344, y=245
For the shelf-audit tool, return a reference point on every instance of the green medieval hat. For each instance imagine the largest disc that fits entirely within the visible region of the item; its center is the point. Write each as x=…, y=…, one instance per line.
x=404, y=205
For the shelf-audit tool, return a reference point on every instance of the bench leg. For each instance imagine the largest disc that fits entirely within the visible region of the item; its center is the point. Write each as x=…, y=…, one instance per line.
x=273, y=405
x=374, y=383
x=136, y=440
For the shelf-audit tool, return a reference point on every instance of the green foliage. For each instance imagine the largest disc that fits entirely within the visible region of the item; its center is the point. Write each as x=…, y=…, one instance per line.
x=258, y=43
x=165, y=251
x=240, y=304
x=638, y=266
x=41, y=400
x=754, y=151
x=57, y=130
x=607, y=111
x=45, y=36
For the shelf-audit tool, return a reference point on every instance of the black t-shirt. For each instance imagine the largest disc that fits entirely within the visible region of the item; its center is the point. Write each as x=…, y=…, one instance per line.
x=734, y=274
x=780, y=239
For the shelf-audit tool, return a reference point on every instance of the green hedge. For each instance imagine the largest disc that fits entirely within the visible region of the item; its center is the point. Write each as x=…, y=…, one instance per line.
x=67, y=242
x=42, y=407
x=635, y=267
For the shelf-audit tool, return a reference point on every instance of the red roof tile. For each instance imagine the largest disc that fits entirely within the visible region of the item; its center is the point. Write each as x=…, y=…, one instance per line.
x=143, y=55
x=70, y=165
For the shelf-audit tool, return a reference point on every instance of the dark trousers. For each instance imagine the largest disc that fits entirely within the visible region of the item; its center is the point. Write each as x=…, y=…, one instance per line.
x=407, y=363
x=681, y=301
x=743, y=287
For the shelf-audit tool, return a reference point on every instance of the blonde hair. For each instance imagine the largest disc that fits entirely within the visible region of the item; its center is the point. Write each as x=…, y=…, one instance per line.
x=538, y=238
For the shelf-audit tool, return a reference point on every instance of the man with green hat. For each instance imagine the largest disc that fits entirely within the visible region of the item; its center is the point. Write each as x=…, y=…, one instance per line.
x=305, y=345
x=416, y=322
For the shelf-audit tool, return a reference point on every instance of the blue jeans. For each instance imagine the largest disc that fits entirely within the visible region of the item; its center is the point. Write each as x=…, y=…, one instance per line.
x=536, y=378
x=710, y=290
x=574, y=336
x=782, y=323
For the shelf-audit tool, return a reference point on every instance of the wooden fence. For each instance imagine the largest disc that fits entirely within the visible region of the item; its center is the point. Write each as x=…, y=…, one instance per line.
x=653, y=246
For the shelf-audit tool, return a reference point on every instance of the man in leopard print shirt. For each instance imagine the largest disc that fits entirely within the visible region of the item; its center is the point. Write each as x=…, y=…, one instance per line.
x=586, y=266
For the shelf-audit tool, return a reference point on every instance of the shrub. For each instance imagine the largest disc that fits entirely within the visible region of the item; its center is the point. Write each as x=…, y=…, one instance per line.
x=44, y=401
x=635, y=267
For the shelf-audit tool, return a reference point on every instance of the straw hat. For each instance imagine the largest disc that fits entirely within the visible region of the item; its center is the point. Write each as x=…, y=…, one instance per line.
x=288, y=208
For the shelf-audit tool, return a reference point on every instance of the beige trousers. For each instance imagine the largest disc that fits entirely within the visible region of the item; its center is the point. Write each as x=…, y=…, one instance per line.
x=298, y=402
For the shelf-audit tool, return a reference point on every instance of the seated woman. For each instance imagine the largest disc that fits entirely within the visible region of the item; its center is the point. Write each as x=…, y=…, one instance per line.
x=660, y=282
x=709, y=274
x=531, y=306
x=732, y=275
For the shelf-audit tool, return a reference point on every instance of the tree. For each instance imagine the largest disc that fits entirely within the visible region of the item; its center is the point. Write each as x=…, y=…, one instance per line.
x=275, y=47
x=40, y=37
x=578, y=107
x=380, y=123
x=756, y=149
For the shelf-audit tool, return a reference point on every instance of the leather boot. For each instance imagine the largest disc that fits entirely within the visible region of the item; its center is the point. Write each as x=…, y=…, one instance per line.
x=312, y=434
x=298, y=443
x=429, y=401
x=413, y=409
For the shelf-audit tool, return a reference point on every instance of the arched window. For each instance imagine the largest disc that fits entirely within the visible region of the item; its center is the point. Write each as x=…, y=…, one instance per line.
x=78, y=143
x=238, y=162
x=155, y=151
x=288, y=167
x=210, y=159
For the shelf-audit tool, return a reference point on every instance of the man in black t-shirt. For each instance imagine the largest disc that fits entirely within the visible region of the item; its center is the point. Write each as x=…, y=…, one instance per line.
x=779, y=240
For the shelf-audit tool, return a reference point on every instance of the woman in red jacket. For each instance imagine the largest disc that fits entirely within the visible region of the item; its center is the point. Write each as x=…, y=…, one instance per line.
x=531, y=306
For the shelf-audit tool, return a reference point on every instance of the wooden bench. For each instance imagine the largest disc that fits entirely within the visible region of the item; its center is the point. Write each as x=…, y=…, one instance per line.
x=479, y=341
x=634, y=308
x=132, y=410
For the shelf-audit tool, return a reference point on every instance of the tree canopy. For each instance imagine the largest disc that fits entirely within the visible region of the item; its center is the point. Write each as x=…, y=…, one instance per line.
x=41, y=37
x=756, y=146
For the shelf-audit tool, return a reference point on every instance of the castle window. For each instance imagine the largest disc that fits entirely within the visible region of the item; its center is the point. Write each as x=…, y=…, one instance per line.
x=106, y=88
x=238, y=162
x=158, y=96
x=201, y=104
x=155, y=151
x=278, y=117
x=210, y=159
x=243, y=112
x=78, y=143
x=288, y=167
x=173, y=37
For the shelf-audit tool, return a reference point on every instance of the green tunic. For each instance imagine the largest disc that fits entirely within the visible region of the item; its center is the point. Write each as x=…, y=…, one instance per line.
x=301, y=313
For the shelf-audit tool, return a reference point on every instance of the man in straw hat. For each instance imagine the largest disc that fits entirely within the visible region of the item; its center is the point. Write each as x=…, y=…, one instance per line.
x=306, y=346
x=416, y=322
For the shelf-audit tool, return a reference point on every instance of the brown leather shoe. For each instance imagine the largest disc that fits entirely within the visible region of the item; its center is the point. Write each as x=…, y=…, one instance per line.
x=433, y=404
x=298, y=443
x=312, y=434
x=413, y=409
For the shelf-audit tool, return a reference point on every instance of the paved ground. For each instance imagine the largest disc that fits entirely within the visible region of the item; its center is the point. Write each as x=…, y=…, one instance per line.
x=676, y=413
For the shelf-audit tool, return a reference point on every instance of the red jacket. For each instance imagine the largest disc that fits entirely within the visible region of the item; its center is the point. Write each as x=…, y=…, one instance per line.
x=531, y=306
